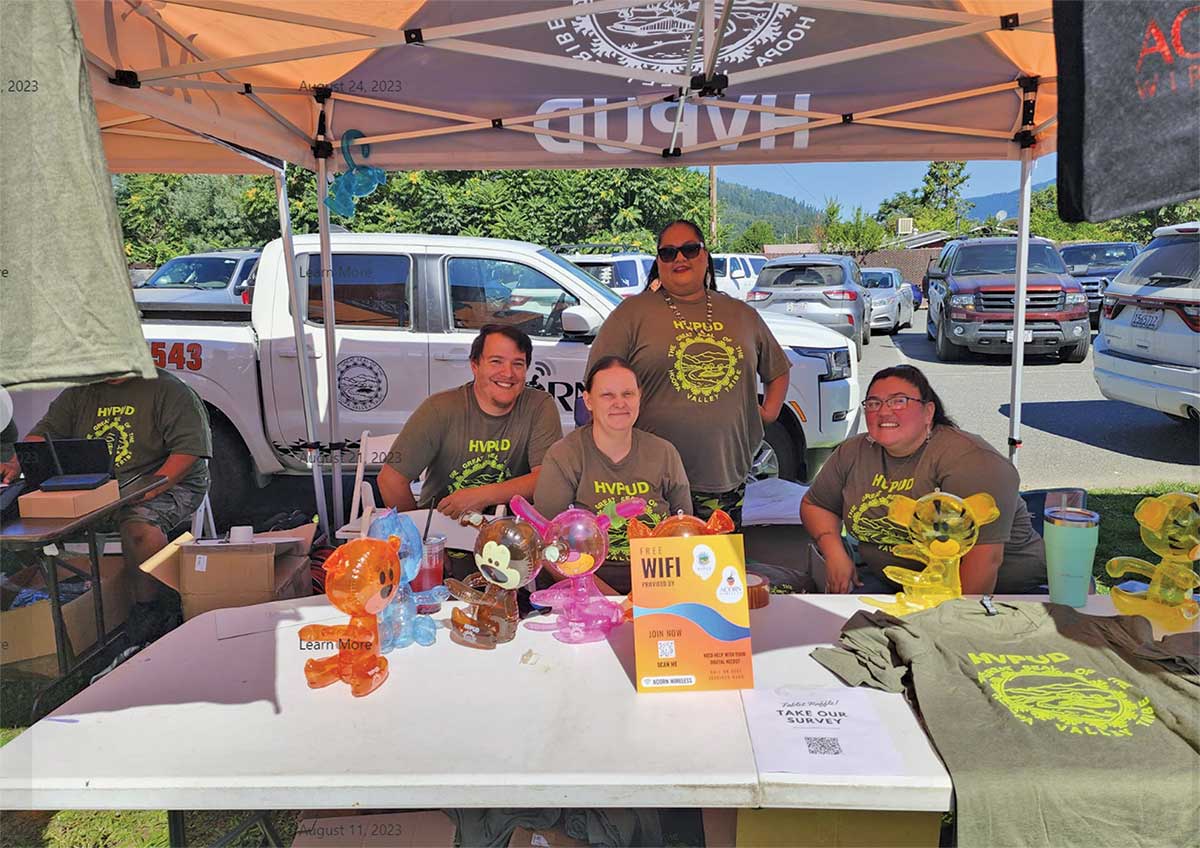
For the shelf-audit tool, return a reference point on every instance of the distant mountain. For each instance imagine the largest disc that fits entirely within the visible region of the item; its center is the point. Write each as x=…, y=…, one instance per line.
x=740, y=206
x=989, y=204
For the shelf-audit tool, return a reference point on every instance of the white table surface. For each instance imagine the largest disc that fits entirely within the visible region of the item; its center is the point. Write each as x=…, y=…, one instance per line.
x=201, y=722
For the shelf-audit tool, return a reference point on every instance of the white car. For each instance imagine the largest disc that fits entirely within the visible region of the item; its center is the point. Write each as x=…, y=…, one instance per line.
x=625, y=273
x=1148, y=348
x=735, y=273
x=220, y=277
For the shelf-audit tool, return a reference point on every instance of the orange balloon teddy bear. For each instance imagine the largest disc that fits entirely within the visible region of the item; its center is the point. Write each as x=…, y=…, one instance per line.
x=361, y=579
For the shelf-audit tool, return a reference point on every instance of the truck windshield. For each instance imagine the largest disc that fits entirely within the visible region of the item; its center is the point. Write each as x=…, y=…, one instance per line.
x=194, y=272
x=1002, y=259
x=1168, y=261
x=1097, y=254
x=583, y=277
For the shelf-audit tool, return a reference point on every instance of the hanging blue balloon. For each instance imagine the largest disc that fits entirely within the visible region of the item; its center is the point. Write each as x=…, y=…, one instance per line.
x=356, y=181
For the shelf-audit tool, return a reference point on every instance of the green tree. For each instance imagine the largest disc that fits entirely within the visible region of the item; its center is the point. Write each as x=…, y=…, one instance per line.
x=754, y=237
x=942, y=185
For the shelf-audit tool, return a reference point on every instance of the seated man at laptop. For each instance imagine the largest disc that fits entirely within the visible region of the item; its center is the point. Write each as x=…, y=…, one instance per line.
x=152, y=427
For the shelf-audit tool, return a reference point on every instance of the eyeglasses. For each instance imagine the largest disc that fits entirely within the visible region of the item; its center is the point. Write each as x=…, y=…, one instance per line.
x=894, y=403
x=690, y=250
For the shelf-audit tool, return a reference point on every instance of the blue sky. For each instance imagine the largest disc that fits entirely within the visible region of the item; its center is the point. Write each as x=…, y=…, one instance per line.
x=867, y=183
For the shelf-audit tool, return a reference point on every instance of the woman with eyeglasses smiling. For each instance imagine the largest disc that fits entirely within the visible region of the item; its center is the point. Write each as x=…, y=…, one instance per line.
x=912, y=448
x=698, y=355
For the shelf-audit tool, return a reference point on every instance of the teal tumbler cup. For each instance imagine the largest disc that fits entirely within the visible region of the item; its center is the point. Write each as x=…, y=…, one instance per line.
x=1070, y=535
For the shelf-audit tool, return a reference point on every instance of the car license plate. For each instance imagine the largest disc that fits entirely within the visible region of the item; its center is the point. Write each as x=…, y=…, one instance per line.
x=1146, y=319
x=795, y=307
x=1008, y=336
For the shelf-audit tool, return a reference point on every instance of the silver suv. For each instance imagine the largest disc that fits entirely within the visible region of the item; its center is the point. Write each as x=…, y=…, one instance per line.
x=221, y=276
x=825, y=288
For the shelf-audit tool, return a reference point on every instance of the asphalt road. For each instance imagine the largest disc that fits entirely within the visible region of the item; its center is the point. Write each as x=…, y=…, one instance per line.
x=1071, y=434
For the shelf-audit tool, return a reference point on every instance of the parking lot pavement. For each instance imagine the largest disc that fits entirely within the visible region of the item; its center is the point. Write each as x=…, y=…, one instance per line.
x=1071, y=434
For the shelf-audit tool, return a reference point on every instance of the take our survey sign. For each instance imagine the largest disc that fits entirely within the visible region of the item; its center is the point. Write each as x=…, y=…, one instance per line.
x=691, y=621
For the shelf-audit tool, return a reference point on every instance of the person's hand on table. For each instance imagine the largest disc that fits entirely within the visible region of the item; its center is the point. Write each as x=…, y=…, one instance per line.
x=462, y=501
x=10, y=470
x=841, y=577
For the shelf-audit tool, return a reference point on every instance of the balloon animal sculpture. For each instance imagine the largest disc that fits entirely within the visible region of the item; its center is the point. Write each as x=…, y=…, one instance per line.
x=1170, y=528
x=942, y=528
x=508, y=554
x=399, y=623
x=576, y=542
x=684, y=525
x=361, y=580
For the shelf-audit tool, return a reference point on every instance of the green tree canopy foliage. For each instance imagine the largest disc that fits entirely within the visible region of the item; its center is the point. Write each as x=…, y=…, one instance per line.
x=164, y=215
x=740, y=207
x=937, y=204
x=753, y=238
x=858, y=236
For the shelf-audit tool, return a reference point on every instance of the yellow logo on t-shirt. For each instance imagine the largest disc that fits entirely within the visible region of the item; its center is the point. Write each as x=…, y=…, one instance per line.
x=115, y=428
x=704, y=365
x=618, y=528
x=868, y=521
x=479, y=471
x=1076, y=701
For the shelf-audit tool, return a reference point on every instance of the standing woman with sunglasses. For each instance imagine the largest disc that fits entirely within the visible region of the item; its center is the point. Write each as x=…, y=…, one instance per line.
x=912, y=448
x=698, y=355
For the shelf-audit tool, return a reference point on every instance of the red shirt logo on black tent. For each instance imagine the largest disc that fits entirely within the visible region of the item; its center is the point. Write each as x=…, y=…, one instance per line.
x=1170, y=57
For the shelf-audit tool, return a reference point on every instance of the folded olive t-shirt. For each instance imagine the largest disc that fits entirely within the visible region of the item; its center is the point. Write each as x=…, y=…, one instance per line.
x=1057, y=728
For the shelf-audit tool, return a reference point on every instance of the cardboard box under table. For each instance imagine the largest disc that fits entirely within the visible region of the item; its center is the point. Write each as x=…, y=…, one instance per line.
x=27, y=633
x=212, y=575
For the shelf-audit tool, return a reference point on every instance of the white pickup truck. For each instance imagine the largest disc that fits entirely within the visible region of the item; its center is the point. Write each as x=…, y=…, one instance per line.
x=407, y=308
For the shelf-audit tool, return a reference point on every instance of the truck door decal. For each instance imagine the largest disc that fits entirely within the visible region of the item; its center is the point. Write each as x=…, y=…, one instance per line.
x=361, y=383
x=179, y=356
x=563, y=391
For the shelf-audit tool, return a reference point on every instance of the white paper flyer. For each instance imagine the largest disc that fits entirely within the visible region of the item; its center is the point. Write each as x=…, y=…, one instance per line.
x=796, y=730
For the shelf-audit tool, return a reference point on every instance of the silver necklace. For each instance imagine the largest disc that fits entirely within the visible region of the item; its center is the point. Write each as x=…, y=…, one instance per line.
x=708, y=316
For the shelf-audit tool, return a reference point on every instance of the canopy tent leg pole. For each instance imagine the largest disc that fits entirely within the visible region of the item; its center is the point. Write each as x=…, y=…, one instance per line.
x=1018, y=351
x=307, y=379
x=335, y=446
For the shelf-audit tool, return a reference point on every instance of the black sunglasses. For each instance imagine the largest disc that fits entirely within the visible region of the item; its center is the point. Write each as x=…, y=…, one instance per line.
x=690, y=251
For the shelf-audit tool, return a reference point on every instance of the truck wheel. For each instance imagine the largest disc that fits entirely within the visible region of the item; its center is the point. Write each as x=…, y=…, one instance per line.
x=946, y=350
x=866, y=334
x=231, y=471
x=929, y=331
x=1076, y=352
x=788, y=452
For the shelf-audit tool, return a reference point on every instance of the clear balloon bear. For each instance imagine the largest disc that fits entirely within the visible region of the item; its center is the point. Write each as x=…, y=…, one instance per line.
x=1170, y=528
x=942, y=528
x=361, y=579
x=508, y=554
x=399, y=623
x=576, y=543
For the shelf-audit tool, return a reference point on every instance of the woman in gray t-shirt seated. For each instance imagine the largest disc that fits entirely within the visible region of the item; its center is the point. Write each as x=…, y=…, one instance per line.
x=606, y=461
x=912, y=448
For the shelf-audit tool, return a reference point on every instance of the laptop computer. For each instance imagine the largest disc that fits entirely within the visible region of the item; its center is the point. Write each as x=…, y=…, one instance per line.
x=86, y=462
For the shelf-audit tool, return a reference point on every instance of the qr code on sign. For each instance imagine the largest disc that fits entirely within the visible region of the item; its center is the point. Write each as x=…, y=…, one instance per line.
x=666, y=649
x=823, y=745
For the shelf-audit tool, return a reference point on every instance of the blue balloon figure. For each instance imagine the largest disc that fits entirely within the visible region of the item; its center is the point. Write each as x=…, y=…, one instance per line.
x=399, y=623
x=356, y=181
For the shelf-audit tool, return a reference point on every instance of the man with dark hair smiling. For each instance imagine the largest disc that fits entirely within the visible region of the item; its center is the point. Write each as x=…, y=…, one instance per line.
x=481, y=443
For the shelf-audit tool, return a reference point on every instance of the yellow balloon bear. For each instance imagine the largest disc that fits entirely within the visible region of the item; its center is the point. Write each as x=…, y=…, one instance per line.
x=1170, y=528
x=942, y=528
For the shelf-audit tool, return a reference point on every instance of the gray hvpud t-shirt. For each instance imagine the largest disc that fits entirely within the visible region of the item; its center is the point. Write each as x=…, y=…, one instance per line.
x=860, y=480
x=699, y=390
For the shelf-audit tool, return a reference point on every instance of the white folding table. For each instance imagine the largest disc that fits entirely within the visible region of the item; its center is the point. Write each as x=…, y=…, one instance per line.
x=217, y=715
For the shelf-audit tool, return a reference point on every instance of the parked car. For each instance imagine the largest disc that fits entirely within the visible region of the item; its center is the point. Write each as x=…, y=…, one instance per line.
x=824, y=288
x=1148, y=348
x=915, y=291
x=624, y=270
x=219, y=277
x=972, y=296
x=241, y=360
x=735, y=274
x=891, y=299
x=1095, y=264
